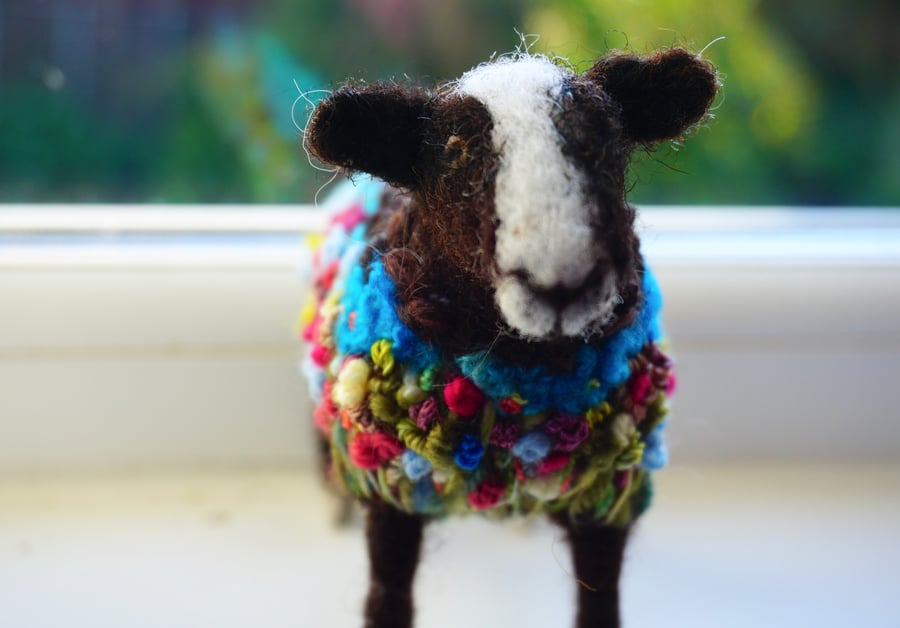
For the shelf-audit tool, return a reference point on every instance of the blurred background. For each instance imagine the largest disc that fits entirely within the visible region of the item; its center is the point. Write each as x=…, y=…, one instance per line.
x=191, y=100
x=156, y=459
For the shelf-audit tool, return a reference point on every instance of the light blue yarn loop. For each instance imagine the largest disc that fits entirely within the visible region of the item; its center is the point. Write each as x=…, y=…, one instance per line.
x=532, y=447
x=415, y=466
x=656, y=455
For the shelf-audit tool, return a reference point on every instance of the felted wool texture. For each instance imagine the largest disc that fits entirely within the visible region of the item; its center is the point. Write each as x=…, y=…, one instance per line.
x=539, y=197
x=387, y=115
x=662, y=96
x=394, y=544
x=437, y=436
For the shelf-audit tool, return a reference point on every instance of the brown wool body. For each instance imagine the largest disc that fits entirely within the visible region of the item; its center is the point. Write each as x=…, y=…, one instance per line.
x=441, y=235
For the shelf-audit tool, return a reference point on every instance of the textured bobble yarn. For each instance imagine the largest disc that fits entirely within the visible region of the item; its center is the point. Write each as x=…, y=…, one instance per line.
x=437, y=436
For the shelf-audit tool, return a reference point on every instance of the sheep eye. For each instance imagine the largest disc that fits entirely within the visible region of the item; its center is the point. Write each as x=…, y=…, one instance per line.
x=456, y=151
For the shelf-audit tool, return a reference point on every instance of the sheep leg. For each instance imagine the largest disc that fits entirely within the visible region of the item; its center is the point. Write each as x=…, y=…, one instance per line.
x=394, y=539
x=323, y=453
x=597, y=553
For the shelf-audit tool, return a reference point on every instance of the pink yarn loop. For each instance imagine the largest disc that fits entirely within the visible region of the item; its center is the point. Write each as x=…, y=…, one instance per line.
x=319, y=355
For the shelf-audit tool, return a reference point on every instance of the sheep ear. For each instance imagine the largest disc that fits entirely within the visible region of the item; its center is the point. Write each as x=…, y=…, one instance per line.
x=661, y=96
x=379, y=129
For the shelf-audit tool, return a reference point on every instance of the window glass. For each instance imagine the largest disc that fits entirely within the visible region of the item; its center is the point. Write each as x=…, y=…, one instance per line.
x=202, y=101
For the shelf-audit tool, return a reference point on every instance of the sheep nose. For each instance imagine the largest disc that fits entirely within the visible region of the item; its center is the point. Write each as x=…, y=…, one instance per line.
x=559, y=295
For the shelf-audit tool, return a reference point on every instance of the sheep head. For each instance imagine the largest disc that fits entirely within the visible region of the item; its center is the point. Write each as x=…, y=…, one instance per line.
x=510, y=219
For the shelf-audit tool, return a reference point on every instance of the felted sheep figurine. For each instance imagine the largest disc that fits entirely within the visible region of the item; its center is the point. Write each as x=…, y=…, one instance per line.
x=484, y=331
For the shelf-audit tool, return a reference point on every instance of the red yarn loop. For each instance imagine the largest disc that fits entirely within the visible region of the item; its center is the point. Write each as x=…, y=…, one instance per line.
x=505, y=434
x=370, y=450
x=350, y=217
x=425, y=414
x=568, y=431
x=311, y=331
x=487, y=494
x=326, y=279
x=463, y=397
x=671, y=384
x=510, y=406
x=639, y=387
x=325, y=412
x=553, y=463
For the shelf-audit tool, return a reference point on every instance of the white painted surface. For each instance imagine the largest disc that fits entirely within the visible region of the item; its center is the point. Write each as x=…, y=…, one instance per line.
x=115, y=368
x=152, y=359
x=778, y=546
x=174, y=218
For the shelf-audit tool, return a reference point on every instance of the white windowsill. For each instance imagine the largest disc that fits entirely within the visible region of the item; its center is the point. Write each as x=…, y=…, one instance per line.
x=147, y=337
x=133, y=235
x=722, y=547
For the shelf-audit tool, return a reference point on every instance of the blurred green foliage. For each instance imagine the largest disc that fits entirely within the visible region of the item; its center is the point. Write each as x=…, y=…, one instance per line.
x=789, y=128
x=212, y=113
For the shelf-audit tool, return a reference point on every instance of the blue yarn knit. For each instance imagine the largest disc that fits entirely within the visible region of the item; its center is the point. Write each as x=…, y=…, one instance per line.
x=600, y=368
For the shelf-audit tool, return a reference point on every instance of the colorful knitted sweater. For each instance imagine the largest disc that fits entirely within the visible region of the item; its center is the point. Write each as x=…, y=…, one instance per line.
x=474, y=434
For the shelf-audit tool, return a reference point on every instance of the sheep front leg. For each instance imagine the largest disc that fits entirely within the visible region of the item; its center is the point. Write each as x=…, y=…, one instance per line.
x=597, y=553
x=394, y=539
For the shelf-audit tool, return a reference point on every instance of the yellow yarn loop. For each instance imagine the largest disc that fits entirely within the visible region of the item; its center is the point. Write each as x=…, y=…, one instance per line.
x=308, y=313
x=434, y=445
x=409, y=393
x=351, y=384
x=439, y=448
x=384, y=409
x=455, y=487
x=530, y=421
x=596, y=415
x=622, y=431
x=411, y=436
x=380, y=386
x=488, y=417
x=621, y=500
x=657, y=411
x=382, y=356
x=632, y=455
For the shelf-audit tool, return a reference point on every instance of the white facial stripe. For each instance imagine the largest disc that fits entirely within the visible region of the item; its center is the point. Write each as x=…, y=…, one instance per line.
x=539, y=195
